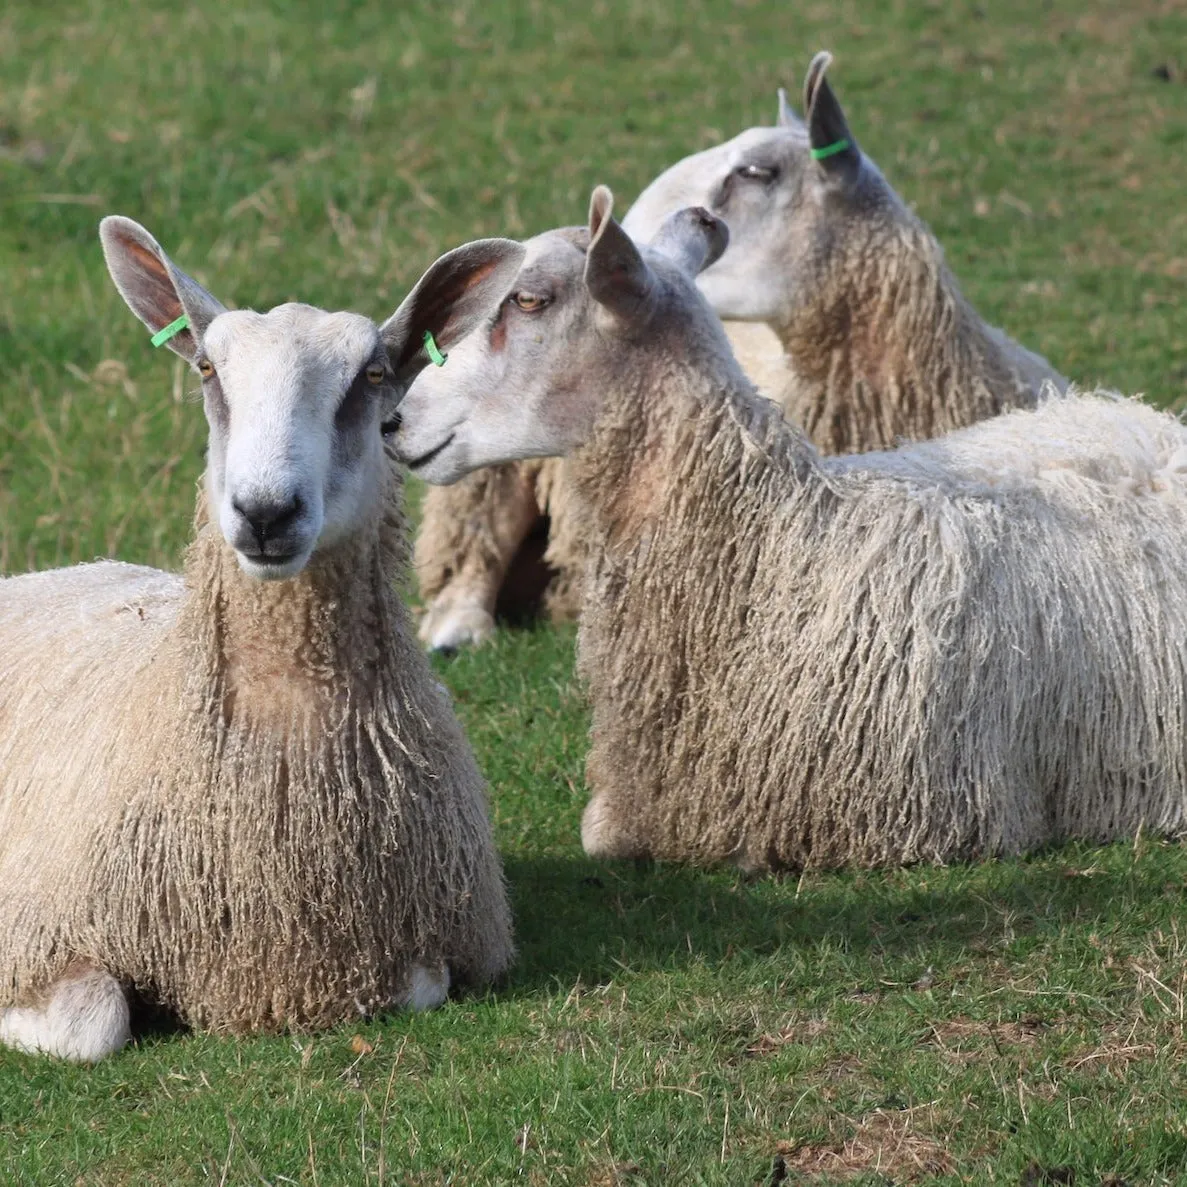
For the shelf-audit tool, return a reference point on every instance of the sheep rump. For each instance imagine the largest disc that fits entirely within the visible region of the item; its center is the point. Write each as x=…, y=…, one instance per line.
x=975, y=645
x=252, y=862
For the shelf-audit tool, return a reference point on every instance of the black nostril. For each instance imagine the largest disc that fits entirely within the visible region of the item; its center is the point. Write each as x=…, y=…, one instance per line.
x=392, y=424
x=268, y=517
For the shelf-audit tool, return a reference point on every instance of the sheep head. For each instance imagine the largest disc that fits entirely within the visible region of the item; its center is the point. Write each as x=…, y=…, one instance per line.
x=587, y=310
x=297, y=399
x=792, y=195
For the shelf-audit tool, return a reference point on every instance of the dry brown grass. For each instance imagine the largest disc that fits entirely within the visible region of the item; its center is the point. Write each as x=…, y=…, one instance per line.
x=903, y=1146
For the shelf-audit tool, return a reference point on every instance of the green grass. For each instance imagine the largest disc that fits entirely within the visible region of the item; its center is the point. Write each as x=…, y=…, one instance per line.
x=662, y=1025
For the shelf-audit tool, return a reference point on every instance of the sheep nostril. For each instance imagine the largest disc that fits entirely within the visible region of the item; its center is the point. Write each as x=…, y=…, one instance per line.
x=268, y=517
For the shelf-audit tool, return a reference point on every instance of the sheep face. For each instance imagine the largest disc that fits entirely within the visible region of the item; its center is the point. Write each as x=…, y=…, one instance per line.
x=795, y=198
x=586, y=312
x=297, y=399
x=491, y=397
x=293, y=398
x=759, y=183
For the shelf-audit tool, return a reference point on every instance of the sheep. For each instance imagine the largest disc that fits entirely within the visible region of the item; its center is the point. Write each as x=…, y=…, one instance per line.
x=968, y=646
x=472, y=550
x=872, y=340
x=879, y=341
x=239, y=790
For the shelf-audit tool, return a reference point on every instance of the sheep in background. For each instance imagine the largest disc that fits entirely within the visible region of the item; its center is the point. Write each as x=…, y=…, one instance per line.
x=967, y=646
x=240, y=790
x=838, y=304
x=880, y=343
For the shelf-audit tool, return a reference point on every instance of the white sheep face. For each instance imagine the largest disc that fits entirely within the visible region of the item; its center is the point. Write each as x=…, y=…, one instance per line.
x=293, y=399
x=797, y=199
x=497, y=394
x=756, y=183
x=587, y=311
x=298, y=399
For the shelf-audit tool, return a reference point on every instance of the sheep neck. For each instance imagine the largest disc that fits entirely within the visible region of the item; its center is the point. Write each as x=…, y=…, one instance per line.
x=886, y=347
x=674, y=439
x=287, y=652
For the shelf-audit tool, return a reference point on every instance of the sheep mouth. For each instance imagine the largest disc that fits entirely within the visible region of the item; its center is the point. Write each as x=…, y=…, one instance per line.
x=272, y=560
x=425, y=458
x=273, y=566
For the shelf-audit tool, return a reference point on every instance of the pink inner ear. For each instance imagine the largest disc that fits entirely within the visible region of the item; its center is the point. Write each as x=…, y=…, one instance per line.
x=478, y=275
x=167, y=306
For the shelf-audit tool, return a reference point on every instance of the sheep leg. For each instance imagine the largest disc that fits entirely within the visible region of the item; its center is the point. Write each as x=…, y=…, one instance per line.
x=468, y=538
x=427, y=987
x=602, y=836
x=82, y=1017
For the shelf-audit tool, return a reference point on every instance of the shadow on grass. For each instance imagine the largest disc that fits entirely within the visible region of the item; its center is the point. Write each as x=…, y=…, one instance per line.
x=580, y=920
x=577, y=919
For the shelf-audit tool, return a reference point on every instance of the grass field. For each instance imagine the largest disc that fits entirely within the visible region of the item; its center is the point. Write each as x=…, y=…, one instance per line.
x=1009, y=1022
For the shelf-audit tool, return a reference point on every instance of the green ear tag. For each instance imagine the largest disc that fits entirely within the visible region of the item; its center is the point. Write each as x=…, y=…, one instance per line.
x=166, y=332
x=434, y=353
x=830, y=150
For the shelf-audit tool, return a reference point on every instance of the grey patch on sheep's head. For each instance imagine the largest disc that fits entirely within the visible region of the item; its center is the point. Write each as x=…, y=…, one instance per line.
x=586, y=307
x=297, y=400
x=786, y=210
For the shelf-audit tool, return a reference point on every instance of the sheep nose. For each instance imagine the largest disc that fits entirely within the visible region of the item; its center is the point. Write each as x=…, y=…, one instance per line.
x=268, y=518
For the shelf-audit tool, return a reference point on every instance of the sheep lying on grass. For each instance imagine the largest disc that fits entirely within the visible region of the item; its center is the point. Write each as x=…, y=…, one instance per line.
x=240, y=790
x=967, y=646
x=875, y=341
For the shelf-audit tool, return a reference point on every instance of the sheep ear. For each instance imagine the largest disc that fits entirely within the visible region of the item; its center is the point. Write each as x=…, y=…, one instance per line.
x=155, y=289
x=448, y=301
x=833, y=145
x=616, y=274
x=693, y=238
x=787, y=116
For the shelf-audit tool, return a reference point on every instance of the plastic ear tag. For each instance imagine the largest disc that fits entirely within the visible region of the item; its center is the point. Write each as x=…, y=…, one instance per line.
x=172, y=329
x=434, y=353
x=830, y=150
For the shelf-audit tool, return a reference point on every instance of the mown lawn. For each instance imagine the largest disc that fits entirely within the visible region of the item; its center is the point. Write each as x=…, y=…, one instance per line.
x=1006, y=1022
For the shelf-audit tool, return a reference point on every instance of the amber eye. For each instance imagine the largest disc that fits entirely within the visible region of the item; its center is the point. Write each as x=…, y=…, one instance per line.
x=206, y=368
x=529, y=302
x=375, y=373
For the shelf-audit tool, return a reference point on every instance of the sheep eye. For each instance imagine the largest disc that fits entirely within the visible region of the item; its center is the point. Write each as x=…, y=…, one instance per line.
x=529, y=302
x=763, y=173
x=375, y=373
x=206, y=369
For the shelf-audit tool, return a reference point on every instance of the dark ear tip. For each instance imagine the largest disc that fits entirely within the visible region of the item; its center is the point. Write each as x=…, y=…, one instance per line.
x=821, y=61
x=717, y=233
x=710, y=222
x=814, y=79
x=601, y=201
x=601, y=207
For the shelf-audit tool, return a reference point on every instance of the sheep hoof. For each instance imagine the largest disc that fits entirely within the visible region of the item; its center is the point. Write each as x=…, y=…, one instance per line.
x=82, y=1017
x=427, y=987
x=450, y=627
x=600, y=835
